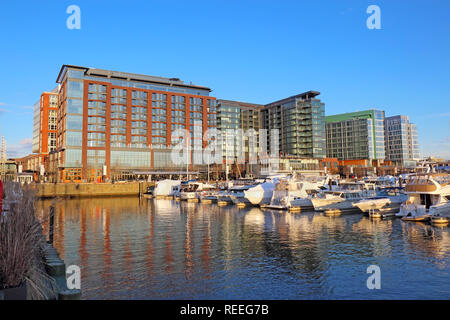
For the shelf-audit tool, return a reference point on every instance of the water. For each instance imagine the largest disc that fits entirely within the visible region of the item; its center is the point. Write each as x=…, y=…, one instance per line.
x=161, y=249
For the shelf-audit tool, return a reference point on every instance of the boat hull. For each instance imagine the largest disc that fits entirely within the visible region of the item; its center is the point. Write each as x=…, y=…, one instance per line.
x=377, y=204
x=260, y=194
x=333, y=204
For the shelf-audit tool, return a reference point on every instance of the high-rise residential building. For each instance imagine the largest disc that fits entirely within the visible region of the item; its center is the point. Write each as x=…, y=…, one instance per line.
x=300, y=121
x=402, y=146
x=356, y=135
x=113, y=123
x=44, y=125
x=233, y=116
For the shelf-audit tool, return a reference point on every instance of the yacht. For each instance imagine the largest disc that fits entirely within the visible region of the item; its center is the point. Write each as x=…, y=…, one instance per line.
x=166, y=188
x=429, y=198
x=190, y=191
x=387, y=200
x=208, y=196
x=295, y=193
x=260, y=194
x=237, y=195
x=343, y=199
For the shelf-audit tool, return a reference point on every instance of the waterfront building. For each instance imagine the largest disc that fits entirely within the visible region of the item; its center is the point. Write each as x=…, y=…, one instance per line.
x=402, y=146
x=300, y=121
x=44, y=128
x=111, y=124
x=356, y=135
x=233, y=116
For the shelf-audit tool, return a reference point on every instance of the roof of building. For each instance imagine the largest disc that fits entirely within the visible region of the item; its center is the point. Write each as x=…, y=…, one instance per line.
x=239, y=103
x=305, y=96
x=175, y=82
x=351, y=115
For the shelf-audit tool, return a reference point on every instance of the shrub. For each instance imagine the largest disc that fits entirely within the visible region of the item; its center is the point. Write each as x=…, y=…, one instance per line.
x=22, y=243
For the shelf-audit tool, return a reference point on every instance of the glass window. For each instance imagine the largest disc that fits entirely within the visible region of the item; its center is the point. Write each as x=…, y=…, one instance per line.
x=73, y=139
x=77, y=74
x=74, y=89
x=72, y=158
x=74, y=122
x=74, y=106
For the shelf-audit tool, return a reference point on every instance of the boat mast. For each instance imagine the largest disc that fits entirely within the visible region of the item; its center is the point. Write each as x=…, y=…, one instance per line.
x=226, y=164
x=187, y=158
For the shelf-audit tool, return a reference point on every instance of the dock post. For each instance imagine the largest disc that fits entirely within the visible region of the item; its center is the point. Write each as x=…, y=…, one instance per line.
x=51, y=223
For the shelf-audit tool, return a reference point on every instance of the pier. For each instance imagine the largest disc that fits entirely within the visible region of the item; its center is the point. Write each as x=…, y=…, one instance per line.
x=81, y=190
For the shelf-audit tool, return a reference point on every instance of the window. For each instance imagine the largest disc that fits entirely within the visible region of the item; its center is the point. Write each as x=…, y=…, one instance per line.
x=159, y=100
x=73, y=139
x=74, y=89
x=74, y=122
x=139, y=98
x=74, y=106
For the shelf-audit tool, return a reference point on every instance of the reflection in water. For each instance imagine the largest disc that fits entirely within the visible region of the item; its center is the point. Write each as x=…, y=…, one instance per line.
x=161, y=249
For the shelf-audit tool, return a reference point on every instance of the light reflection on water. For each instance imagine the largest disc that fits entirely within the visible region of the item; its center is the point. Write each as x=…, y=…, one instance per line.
x=161, y=249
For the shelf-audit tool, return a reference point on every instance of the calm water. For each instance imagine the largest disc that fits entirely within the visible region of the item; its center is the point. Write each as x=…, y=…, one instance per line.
x=161, y=249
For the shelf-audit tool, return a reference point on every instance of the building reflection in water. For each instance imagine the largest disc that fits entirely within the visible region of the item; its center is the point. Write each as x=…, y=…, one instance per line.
x=128, y=247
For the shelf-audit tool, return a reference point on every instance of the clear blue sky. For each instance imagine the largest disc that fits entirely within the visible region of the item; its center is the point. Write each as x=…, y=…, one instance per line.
x=254, y=51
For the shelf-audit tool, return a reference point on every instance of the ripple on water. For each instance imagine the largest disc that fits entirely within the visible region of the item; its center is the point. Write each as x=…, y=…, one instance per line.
x=161, y=249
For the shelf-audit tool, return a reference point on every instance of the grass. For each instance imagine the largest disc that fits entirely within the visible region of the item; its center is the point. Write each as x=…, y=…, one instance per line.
x=22, y=243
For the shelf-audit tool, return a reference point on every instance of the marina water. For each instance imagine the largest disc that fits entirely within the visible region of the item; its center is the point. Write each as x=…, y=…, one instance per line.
x=131, y=248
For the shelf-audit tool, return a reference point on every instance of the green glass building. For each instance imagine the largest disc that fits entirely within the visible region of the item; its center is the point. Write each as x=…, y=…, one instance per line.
x=356, y=135
x=300, y=121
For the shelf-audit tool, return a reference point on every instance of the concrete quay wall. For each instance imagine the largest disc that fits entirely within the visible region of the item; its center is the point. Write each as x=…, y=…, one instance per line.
x=80, y=190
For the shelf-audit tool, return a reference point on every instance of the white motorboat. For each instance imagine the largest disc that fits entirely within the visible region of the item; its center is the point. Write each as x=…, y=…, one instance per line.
x=166, y=188
x=260, y=194
x=429, y=197
x=208, y=195
x=237, y=194
x=294, y=192
x=190, y=191
x=387, y=199
x=350, y=193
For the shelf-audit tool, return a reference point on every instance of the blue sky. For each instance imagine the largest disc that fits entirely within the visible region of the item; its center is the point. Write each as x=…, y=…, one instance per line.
x=253, y=51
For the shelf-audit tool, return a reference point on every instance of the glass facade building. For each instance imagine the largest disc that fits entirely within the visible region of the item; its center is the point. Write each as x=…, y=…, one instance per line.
x=111, y=122
x=356, y=135
x=300, y=121
x=235, y=120
x=402, y=146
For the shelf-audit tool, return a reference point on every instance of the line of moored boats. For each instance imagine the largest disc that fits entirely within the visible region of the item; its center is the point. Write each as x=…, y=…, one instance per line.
x=418, y=197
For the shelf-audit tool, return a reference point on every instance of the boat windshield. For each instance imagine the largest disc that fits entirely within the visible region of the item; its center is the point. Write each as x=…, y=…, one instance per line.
x=189, y=188
x=352, y=186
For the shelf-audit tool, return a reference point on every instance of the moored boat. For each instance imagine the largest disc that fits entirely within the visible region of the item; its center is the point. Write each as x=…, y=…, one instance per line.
x=387, y=199
x=343, y=199
x=429, y=196
x=294, y=193
x=166, y=188
x=191, y=190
